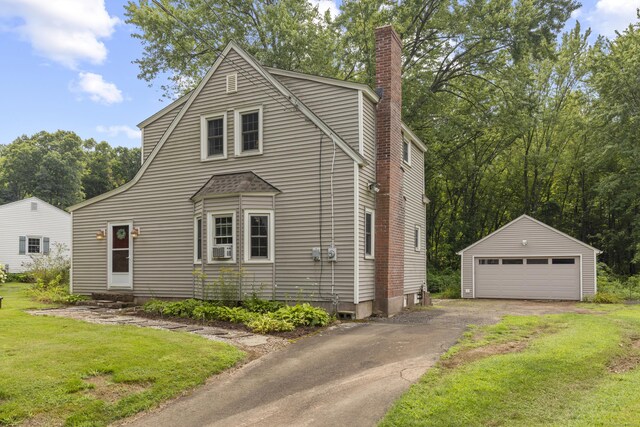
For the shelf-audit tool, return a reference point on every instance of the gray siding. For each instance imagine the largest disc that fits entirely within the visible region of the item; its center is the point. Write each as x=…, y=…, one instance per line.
x=153, y=131
x=336, y=106
x=160, y=202
x=541, y=241
x=415, y=262
x=367, y=199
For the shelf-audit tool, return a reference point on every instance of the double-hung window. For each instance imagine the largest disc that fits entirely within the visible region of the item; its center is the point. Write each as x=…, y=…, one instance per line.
x=369, y=233
x=33, y=245
x=259, y=236
x=213, y=136
x=221, y=226
x=248, y=131
x=406, y=151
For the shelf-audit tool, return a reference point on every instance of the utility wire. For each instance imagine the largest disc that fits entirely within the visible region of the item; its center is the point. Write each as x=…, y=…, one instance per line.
x=199, y=38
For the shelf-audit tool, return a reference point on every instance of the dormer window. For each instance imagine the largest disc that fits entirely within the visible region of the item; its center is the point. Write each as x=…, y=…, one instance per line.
x=214, y=136
x=248, y=124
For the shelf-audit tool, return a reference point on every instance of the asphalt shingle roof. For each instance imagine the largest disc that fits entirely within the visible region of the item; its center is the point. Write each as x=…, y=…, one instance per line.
x=234, y=183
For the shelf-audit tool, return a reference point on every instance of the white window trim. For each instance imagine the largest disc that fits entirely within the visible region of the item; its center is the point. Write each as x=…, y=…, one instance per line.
x=238, y=131
x=408, y=142
x=372, y=255
x=211, y=229
x=110, y=284
x=195, y=239
x=204, y=143
x=26, y=250
x=247, y=236
x=418, y=248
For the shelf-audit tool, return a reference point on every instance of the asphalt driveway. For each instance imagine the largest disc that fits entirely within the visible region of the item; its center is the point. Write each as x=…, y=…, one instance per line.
x=346, y=375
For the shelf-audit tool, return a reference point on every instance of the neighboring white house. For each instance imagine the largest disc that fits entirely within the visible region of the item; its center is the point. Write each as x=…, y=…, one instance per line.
x=30, y=226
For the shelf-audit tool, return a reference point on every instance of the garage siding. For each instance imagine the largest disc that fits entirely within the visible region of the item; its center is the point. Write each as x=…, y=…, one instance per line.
x=541, y=241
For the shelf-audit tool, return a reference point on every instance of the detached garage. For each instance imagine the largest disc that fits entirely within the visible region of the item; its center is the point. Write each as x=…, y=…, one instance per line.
x=527, y=259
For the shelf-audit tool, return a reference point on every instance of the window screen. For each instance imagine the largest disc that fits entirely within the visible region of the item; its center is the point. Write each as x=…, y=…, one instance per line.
x=215, y=137
x=251, y=131
x=368, y=233
x=259, y=236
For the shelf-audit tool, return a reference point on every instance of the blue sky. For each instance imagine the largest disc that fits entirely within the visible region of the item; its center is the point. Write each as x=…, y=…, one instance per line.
x=67, y=64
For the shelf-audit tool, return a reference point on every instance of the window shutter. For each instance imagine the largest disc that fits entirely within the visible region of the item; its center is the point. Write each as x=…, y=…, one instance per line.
x=22, y=249
x=45, y=245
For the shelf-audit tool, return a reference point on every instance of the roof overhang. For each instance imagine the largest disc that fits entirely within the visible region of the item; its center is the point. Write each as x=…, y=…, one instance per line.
x=414, y=138
x=366, y=90
x=521, y=217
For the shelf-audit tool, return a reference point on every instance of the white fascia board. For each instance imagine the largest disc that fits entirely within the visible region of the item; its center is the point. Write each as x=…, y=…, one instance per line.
x=414, y=138
x=178, y=102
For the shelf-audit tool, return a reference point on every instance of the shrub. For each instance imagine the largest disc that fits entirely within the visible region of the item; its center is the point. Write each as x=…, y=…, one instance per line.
x=47, y=267
x=624, y=288
x=266, y=316
x=258, y=305
x=444, y=283
x=184, y=308
x=54, y=292
x=605, y=298
x=19, y=277
x=303, y=315
x=265, y=324
x=3, y=274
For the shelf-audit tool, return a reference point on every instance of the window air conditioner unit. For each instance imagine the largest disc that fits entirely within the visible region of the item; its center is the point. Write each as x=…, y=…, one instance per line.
x=222, y=251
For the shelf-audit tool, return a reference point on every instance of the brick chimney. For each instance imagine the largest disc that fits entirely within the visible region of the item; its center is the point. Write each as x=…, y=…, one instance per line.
x=389, y=241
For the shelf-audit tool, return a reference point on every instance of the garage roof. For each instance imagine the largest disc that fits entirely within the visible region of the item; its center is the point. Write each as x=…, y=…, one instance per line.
x=521, y=217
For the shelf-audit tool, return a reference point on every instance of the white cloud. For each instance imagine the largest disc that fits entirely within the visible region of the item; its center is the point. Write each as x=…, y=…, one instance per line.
x=610, y=15
x=97, y=88
x=324, y=5
x=65, y=31
x=117, y=130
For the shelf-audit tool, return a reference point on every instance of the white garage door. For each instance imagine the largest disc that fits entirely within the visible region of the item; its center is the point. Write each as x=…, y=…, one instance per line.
x=528, y=278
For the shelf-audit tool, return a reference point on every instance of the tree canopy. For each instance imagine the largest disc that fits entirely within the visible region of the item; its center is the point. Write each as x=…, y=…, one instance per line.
x=62, y=169
x=520, y=115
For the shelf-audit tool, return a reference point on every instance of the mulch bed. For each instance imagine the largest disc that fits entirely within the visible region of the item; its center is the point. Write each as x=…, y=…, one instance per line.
x=299, y=332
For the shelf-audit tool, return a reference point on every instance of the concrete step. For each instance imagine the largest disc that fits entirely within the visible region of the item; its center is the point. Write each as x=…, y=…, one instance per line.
x=113, y=296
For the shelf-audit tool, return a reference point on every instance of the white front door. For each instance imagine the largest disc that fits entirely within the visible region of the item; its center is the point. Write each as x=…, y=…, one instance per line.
x=120, y=256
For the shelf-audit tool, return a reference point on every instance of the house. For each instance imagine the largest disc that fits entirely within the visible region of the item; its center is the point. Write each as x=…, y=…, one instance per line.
x=527, y=259
x=30, y=226
x=312, y=187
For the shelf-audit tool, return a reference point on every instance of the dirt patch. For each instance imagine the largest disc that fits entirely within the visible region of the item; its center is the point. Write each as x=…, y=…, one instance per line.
x=42, y=420
x=628, y=361
x=105, y=389
x=471, y=355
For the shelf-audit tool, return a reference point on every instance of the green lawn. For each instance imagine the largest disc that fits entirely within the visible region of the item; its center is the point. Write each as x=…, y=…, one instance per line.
x=556, y=370
x=62, y=371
